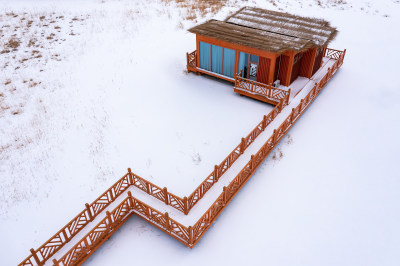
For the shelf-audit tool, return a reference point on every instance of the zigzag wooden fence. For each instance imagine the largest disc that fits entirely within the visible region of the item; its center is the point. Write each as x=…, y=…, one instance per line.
x=187, y=235
x=185, y=204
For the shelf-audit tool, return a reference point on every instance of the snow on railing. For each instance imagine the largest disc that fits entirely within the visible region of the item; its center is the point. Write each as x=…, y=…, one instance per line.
x=187, y=235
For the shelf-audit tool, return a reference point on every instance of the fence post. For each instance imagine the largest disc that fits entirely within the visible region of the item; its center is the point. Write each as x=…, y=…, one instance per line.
x=35, y=257
x=344, y=53
x=130, y=199
x=236, y=78
x=269, y=90
x=190, y=229
x=86, y=243
x=166, y=216
x=185, y=205
x=187, y=59
x=252, y=162
x=242, y=146
x=264, y=123
x=274, y=137
x=288, y=96
x=165, y=195
x=291, y=116
x=318, y=88
x=148, y=188
x=89, y=211
x=216, y=177
x=224, y=195
x=130, y=181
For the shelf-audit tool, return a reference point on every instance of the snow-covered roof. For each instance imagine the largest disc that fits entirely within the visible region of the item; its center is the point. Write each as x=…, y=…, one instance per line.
x=269, y=30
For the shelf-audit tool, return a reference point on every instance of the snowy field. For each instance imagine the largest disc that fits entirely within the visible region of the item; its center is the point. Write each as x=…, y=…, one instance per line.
x=89, y=88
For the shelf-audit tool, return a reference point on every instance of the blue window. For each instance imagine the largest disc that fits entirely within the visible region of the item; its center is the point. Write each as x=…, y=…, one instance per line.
x=216, y=59
x=229, y=62
x=205, y=56
x=243, y=63
x=254, y=58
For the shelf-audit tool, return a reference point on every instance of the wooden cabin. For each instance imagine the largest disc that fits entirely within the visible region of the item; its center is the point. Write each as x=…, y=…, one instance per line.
x=259, y=45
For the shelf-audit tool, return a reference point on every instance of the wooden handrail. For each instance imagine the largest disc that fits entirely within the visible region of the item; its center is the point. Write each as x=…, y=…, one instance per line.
x=187, y=235
x=265, y=90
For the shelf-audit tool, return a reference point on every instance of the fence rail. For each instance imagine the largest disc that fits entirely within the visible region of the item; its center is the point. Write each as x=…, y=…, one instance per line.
x=187, y=235
x=267, y=91
x=234, y=186
x=334, y=54
x=191, y=61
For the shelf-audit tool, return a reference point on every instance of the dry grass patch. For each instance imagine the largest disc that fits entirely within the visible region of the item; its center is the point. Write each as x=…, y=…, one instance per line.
x=277, y=155
x=197, y=8
x=13, y=43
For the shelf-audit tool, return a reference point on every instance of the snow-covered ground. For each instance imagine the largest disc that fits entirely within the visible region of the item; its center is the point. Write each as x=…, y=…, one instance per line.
x=109, y=92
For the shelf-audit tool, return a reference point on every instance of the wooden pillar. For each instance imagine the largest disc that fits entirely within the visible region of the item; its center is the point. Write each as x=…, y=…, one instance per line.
x=272, y=69
x=236, y=62
x=185, y=205
x=312, y=62
x=165, y=195
x=198, y=51
x=290, y=68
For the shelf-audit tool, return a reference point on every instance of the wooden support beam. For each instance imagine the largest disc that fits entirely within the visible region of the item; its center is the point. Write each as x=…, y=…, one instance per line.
x=198, y=51
x=236, y=62
x=312, y=62
x=272, y=69
x=290, y=69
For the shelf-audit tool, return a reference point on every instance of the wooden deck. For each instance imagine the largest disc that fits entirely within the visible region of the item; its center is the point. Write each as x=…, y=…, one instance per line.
x=77, y=240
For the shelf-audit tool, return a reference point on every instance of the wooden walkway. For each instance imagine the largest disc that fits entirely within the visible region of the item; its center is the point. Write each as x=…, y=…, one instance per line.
x=184, y=218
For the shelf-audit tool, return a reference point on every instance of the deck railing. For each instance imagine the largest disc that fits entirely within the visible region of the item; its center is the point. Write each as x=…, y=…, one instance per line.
x=267, y=91
x=187, y=235
x=334, y=54
x=185, y=204
x=191, y=60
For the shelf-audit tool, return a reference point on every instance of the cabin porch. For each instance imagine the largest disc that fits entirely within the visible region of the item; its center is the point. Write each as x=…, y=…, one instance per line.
x=267, y=92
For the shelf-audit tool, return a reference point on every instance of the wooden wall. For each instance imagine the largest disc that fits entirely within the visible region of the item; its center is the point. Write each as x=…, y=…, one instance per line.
x=263, y=70
x=277, y=62
x=296, y=67
x=284, y=68
x=269, y=63
x=307, y=62
x=318, y=60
